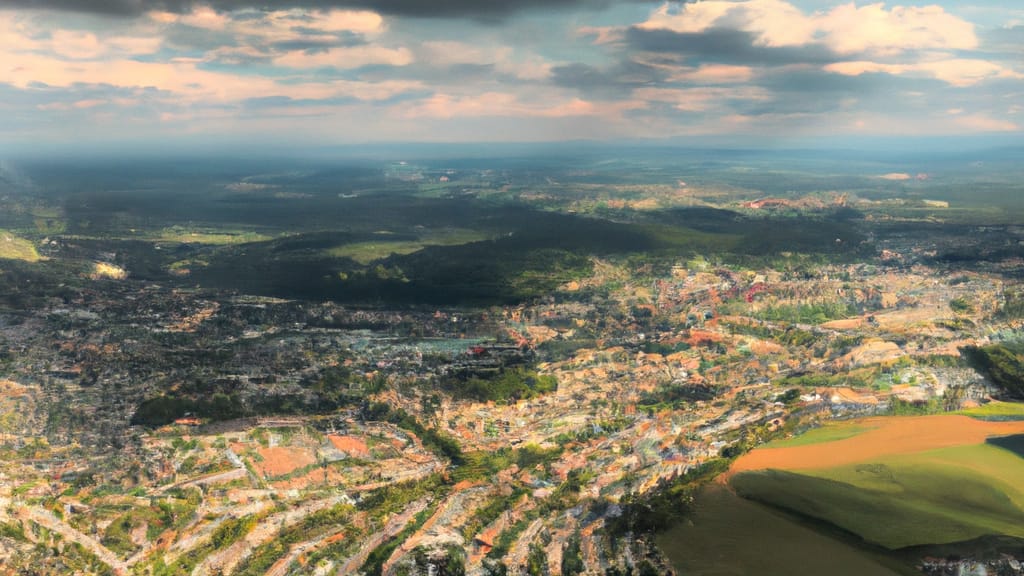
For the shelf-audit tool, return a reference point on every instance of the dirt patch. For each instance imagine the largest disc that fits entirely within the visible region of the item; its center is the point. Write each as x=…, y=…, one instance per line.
x=280, y=460
x=845, y=324
x=350, y=445
x=887, y=436
x=871, y=352
x=11, y=389
x=766, y=348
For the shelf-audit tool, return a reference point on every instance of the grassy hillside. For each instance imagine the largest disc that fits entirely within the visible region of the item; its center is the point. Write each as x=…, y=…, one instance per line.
x=828, y=433
x=997, y=411
x=14, y=248
x=934, y=497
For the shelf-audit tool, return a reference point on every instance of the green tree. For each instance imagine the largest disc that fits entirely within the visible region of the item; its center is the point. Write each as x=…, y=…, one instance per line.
x=572, y=558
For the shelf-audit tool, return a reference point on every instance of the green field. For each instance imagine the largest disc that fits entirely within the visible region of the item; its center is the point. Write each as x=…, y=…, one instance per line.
x=728, y=535
x=209, y=237
x=828, y=433
x=371, y=251
x=997, y=411
x=935, y=497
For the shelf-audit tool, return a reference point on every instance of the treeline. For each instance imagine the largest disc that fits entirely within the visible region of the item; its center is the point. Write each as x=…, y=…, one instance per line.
x=331, y=390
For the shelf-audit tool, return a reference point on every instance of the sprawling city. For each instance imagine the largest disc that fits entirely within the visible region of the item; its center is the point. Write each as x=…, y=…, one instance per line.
x=539, y=288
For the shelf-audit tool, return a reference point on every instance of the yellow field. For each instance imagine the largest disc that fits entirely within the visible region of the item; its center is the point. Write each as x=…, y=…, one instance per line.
x=14, y=248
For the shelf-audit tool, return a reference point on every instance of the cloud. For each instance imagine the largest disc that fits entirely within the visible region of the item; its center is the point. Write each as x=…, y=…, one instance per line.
x=985, y=123
x=701, y=99
x=1008, y=39
x=849, y=29
x=499, y=104
x=613, y=82
x=725, y=45
x=713, y=74
x=476, y=9
x=345, y=58
x=845, y=29
x=498, y=59
x=959, y=72
x=771, y=23
x=759, y=67
x=848, y=39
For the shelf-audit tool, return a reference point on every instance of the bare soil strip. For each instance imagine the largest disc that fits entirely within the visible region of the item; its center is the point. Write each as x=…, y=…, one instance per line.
x=887, y=436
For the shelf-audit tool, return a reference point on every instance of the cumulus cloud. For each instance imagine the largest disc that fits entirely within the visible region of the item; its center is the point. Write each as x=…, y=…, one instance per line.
x=845, y=29
x=851, y=40
x=771, y=22
x=850, y=29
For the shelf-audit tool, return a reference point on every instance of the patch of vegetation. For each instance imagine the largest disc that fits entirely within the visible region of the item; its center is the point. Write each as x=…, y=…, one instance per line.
x=855, y=379
x=505, y=385
x=1013, y=306
x=828, y=433
x=1003, y=364
x=440, y=443
x=374, y=564
x=226, y=534
x=491, y=510
x=587, y=433
x=213, y=237
x=393, y=498
x=478, y=465
x=808, y=313
x=165, y=409
x=12, y=531
x=789, y=396
x=961, y=306
x=996, y=410
x=448, y=561
x=944, y=496
x=667, y=504
x=572, y=557
x=316, y=524
x=677, y=395
x=900, y=407
x=503, y=543
x=13, y=247
x=664, y=348
x=387, y=245
x=790, y=336
x=332, y=389
x=556, y=349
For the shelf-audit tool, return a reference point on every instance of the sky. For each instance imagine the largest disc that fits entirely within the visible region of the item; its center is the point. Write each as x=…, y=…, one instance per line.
x=319, y=72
